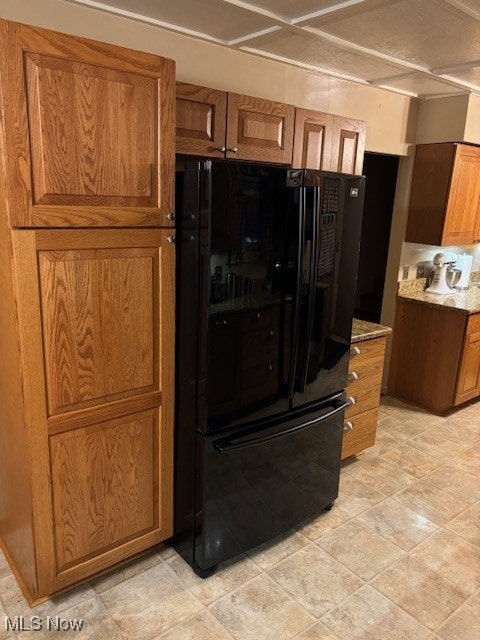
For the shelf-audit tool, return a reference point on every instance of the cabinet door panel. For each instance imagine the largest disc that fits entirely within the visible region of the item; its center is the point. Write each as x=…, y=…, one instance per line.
x=99, y=317
x=463, y=209
x=348, y=145
x=107, y=318
x=81, y=120
x=468, y=385
x=312, y=146
x=105, y=480
x=88, y=130
x=259, y=129
x=201, y=120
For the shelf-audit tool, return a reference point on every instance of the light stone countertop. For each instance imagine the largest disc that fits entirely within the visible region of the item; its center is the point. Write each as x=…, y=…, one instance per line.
x=462, y=301
x=363, y=330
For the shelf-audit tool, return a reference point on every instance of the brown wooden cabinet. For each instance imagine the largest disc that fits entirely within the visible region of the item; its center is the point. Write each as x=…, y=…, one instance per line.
x=445, y=196
x=201, y=120
x=312, y=145
x=468, y=380
x=435, y=356
x=348, y=145
x=87, y=315
x=365, y=379
x=88, y=135
x=327, y=142
x=230, y=125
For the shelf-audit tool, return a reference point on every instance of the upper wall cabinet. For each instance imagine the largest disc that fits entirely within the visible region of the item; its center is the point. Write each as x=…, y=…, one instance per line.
x=327, y=142
x=445, y=196
x=201, y=120
x=220, y=125
x=312, y=146
x=348, y=145
x=88, y=131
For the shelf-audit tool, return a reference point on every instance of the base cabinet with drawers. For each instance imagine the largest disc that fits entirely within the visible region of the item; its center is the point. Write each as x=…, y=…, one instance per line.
x=364, y=385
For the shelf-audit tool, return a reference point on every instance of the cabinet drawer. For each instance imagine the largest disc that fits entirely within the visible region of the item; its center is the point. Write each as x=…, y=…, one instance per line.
x=368, y=380
x=367, y=349
x=365, y=400
x=362, y=435
x=260, y=319
x=259, y=347
x=259, y=382
x=362, y=352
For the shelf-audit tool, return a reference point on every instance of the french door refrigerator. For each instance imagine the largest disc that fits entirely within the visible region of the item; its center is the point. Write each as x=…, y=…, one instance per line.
x=266, y=274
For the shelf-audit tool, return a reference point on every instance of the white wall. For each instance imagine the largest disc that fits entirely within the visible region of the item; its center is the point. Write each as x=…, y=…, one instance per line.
x=442, y=119
x=413, y=253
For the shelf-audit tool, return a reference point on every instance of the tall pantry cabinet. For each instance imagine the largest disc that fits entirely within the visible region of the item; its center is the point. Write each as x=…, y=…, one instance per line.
x=86, y=304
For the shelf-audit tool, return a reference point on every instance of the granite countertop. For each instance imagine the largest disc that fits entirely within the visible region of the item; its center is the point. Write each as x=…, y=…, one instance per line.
x=363, y=330
x=467, y=301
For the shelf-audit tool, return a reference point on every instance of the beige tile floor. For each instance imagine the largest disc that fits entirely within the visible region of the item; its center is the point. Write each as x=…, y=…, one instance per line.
x=397, y=558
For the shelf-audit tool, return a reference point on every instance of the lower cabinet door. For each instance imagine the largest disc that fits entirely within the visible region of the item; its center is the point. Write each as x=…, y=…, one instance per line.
x=105, y=483
x=468, y=382
x=103, y=472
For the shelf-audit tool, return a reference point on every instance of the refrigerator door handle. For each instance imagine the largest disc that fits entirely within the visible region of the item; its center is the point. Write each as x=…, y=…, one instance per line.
x=298, y=285
x=229, y=444
x=311, y=285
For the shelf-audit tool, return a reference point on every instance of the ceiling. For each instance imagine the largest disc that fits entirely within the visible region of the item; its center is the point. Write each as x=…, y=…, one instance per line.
x=421, y=48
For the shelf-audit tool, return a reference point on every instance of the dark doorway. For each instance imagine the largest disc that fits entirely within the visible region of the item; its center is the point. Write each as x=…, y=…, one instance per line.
x=381, y=174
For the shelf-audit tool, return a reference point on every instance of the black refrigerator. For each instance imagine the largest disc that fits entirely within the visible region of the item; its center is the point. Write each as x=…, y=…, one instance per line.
x=266, y=275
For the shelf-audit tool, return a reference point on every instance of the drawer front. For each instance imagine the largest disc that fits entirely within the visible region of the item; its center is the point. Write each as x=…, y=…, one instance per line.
x=259, y=347
x=260, y=319
x=369, y=351
x=365, y=400
x=259, y=383
x=367, y=378
x=364, y=367
x=362, y=435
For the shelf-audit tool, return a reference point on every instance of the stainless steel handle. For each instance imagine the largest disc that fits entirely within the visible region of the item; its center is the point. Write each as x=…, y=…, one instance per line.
x=259, y=316
x=348, y=426
x=355, y=351
x=272, y=332
x=233, y=149
x=352, y=376
x=170, y=216
x=221, y=149
x=351, y=401
x=269, y=367
x=171, y=239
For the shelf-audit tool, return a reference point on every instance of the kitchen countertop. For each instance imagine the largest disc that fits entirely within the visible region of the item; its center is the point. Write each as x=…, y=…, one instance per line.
x=363, y=330
x=463, y=301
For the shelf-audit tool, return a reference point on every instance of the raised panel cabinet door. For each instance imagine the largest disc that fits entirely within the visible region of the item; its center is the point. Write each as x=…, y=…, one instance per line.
x=259, y=129
x=89, y=131
x=201, y=120
x=429, y=194
x=105, y=478
x=106, y=322
x=468, y=384
x=462, y=218
x=348, y=146
x=312, y=143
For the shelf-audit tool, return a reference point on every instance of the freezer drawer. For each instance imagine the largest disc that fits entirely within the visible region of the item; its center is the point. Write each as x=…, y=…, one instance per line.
x=260, y=483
